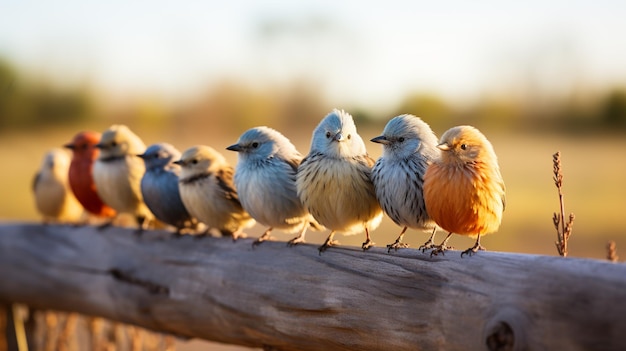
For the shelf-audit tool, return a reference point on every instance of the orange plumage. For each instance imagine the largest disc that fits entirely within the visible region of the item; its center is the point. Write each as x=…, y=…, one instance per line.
x=464, y=190
x=80, y=174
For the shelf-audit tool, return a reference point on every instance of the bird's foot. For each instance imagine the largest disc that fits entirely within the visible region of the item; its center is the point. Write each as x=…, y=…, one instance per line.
x=260, y=240
x=397, y=245
x=326, y=245
x=440, y=249
x=295, y=241
x=427, y=246
x=105, y=225
x=238, y=235
x=472, y=250
x=367, y=244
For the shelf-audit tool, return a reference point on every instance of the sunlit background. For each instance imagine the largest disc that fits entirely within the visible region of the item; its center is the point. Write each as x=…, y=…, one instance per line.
x=535, y=76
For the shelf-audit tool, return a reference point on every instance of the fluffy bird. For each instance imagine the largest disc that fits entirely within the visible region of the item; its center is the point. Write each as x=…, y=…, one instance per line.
x=84, y=154
x=333, y=180
x=265, y=178
x=159, y=186
x=464, y=190
x=207, y=190
x=118, y=171
x=409, y=147
x=53, y=198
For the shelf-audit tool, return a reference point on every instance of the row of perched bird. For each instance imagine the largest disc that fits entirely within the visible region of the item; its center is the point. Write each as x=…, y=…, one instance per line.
x=419, y=182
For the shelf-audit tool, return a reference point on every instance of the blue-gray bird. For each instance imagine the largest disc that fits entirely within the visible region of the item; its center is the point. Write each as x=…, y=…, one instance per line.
x=159, y=187
x=265, y=178
x=333, y=180
x=409, y=147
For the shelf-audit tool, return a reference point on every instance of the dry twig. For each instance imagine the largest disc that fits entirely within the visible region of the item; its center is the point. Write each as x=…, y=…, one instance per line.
x=563, y=228
x=611, y=251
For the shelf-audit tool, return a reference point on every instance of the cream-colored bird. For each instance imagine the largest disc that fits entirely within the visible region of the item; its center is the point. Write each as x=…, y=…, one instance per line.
x=334, y=180
x=53, y=197
x=208, y=192
x=118, y=171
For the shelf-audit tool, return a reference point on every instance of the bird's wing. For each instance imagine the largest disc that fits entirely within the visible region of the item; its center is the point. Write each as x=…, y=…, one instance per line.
x=36, y=180
x=294, y=163
x=225, y=182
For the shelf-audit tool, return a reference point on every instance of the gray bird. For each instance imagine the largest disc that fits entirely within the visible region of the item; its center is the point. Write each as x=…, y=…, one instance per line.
x=117, y=173
x=265, y=178
x=333, y=180
x=409, y=147
x=208, y=192
x=159, y=187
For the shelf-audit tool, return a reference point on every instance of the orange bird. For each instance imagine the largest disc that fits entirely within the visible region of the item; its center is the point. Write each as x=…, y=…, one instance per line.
x=80, y=174
x=463, y=189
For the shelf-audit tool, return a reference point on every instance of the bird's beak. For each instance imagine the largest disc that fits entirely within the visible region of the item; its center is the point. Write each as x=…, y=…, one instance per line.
x=179, y=162
x=69, y=146
x=99, y=146
x=339, y=137
x=143, y=156
x=381, y=140
x=235, y=147
x=444, y=147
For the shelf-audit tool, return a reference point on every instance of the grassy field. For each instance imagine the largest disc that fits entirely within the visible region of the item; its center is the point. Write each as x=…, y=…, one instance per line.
x=594, y=169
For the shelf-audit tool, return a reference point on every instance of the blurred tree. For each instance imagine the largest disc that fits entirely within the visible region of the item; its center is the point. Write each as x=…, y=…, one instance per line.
x=613, y=109
x=431, y=108
x=31, y=104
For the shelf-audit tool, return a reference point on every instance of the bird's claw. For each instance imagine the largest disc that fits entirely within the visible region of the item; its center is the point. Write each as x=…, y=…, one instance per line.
x=326, y=245
x=472, y=250
x=440, y=249
x=295, y=241
x=367, y=244
x=427, y=246
x=397, y=245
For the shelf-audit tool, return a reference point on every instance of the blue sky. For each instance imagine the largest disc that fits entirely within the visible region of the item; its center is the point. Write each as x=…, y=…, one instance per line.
x=369, y=53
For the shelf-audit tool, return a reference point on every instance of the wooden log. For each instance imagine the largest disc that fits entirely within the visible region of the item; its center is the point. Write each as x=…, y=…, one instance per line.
x=296, y=299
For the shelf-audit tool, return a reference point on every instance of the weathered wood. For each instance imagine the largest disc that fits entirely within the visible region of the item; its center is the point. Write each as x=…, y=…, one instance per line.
x=293, y=298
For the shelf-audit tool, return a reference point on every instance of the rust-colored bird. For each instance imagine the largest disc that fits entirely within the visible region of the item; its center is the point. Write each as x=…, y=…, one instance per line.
x=464, y=190
x=85, y=153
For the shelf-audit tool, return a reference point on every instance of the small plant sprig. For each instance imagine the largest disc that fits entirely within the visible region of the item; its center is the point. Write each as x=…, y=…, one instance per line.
x=563, y=228
x=611, y=251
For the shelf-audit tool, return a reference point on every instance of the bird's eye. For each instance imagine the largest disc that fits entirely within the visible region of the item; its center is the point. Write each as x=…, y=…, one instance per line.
x=194, y=161
x=113, y=144
x=463, y=146
x=328, y=134
x=349, y=136
x=401, y=139
x=255, y=145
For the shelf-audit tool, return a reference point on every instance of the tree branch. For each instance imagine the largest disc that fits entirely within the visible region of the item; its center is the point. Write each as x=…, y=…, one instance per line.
x=293, y=298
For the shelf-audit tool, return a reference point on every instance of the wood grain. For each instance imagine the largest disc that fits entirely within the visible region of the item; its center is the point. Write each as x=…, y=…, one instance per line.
x=295, y=299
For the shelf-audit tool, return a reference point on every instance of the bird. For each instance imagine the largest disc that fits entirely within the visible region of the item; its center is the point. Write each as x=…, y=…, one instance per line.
x=84, y=154
x=159, y=187
x=409, y=147
x=208, y=191
x=463, y=189
x=265, y=178
x=333, y=180
x=53, y=197
x=118, y=171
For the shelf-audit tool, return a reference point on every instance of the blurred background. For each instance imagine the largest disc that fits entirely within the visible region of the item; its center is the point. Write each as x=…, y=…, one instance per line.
x=536, y=77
